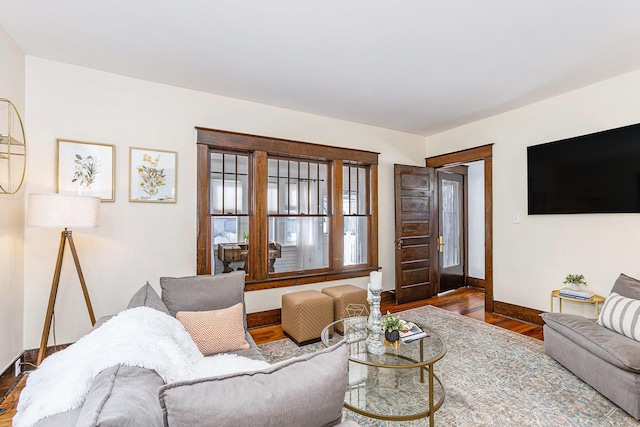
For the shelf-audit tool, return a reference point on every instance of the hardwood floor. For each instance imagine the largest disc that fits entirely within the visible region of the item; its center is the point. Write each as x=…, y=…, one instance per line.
x=466, y=301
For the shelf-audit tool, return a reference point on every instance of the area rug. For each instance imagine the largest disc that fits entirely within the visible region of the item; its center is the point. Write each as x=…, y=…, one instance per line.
x=493, y=377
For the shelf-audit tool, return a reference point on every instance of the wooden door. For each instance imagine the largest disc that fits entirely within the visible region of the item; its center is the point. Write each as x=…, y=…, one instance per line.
x=415, y=224
x=451, y=231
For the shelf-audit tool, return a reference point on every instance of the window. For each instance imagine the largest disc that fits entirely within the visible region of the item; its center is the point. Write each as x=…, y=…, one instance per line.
x=229, y=203
x=297, y=214
x=356, y=214
x=285, y=212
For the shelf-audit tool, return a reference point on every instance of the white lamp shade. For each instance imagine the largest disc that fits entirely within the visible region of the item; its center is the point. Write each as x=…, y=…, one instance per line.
x=62, y=211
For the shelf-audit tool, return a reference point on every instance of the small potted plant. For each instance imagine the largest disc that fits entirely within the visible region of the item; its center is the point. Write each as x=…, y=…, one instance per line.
x=575, y=280
x=245, y=236
x=391, y=325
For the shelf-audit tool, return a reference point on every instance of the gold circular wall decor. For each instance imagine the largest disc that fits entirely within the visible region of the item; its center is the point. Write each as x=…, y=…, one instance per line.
x=13, y=148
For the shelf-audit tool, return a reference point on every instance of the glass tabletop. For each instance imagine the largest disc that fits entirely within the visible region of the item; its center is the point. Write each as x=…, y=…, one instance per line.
x=404, y=355
x=383, y=386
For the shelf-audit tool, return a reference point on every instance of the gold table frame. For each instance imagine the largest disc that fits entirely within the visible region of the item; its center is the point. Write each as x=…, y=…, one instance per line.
x=595, y=300
x=403, y=358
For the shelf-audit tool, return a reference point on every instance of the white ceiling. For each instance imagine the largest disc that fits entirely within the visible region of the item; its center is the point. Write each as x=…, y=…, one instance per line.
x=418, y=66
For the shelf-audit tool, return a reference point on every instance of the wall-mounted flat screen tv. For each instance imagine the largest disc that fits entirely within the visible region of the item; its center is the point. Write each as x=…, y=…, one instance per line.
x=595, y=173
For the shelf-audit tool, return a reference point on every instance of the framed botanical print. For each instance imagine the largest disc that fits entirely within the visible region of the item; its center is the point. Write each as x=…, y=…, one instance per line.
x=152, y=175
x=86, y=168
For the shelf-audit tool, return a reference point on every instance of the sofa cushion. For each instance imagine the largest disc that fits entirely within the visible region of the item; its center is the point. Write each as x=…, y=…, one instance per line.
x=608, y=345
x=303, y=391
x=203, y=293
x=146, y=296
x=621, y=314
x=215, y=331
x=253, y=352
x=123, y=396
x=627, y=287
x=69, y=418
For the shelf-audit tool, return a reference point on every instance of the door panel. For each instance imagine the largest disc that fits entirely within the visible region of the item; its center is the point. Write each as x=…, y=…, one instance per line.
x=415, y=253
x=415, y=227
x=415, y=277
x=451, y=260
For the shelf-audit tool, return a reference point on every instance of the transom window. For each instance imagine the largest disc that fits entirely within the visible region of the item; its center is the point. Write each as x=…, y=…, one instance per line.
x=285, y=212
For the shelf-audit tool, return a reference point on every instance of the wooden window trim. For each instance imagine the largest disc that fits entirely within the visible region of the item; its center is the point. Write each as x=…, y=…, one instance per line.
x=259, y=149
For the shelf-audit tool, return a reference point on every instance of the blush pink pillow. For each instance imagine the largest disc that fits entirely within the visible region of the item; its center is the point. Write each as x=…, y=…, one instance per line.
x=216, y=331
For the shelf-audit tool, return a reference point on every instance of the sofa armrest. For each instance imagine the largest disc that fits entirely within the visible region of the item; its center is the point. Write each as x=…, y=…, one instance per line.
x=608, y=345
x=303, y=391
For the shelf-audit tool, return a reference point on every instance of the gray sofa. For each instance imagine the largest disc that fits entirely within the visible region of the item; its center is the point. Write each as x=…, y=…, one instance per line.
x=606, y=360
x=307, y=390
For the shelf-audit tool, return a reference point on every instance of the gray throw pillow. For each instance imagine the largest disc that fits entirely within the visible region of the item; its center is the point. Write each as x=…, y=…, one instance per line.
x=627, y=287
x=123, y=396
x=304, y=391
x=203, y=293
x=146, y=296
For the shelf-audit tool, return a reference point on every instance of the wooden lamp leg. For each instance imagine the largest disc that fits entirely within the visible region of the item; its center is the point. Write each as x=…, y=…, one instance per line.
x=66, y=234
x=81, y=277
x=52, y=299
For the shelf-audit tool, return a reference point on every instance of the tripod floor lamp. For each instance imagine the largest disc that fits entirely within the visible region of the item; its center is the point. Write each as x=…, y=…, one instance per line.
x=62, y=211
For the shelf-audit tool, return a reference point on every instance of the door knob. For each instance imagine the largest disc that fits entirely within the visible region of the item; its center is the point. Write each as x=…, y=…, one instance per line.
x=399, y=244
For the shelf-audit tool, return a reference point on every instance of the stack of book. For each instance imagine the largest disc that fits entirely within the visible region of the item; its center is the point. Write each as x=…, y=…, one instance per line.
x=572, y=293
x=411, y=332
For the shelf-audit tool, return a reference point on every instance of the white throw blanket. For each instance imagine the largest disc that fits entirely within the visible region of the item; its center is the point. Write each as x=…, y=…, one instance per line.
x=139, y=336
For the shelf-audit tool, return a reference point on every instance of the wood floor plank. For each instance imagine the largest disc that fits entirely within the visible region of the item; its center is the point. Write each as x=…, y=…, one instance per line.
x=465, y=301
x=9, y=404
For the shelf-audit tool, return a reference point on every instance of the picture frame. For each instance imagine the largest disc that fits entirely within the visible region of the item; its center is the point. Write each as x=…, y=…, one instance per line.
x=153, y=175
x=86, y=168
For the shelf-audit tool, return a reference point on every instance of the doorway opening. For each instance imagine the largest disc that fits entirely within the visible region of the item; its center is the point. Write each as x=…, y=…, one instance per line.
x=479, y=262
x=460, y=226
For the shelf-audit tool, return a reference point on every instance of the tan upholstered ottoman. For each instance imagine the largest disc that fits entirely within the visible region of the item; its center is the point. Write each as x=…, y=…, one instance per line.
x=342, y=296
x=305, y=314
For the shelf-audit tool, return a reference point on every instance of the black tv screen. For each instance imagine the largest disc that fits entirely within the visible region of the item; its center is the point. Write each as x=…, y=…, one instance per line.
x=595, y=173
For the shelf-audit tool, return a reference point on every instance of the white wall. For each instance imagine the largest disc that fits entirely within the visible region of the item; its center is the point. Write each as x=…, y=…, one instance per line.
x=532, y=258
x=137, y=242
x=476, y=219
x=12, y=214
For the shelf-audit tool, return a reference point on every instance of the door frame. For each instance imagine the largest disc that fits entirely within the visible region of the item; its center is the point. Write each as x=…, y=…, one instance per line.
x=485, y=153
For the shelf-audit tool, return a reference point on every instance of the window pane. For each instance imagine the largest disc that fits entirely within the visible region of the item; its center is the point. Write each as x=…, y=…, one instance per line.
x=243, y=185
x=304, y=245
x=362, y=191
x=215, y=188
x=272, y=186
x=304, y=198
x=228, y=240
x=451, y=223
x=229, y=184
x=313, y=183
x=292, y=207
x=354, y=187
x=346, y=190
x=283, y=186
x=355, y=240
x=322, y=177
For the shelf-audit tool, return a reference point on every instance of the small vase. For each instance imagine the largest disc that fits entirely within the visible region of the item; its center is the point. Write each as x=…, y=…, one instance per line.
x=392, y=336
x=575, y=286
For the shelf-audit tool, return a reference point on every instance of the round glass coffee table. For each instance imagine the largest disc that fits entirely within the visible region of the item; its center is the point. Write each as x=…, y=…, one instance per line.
x=387, y=386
